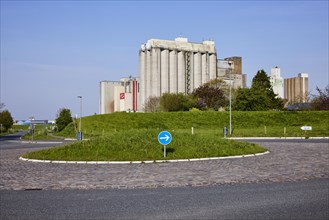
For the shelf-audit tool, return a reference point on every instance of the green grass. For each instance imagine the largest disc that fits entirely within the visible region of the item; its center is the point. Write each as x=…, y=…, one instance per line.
x=244, y=123
x=40, y=133
x=142, y=144
x=14, y=129
x=133, y=136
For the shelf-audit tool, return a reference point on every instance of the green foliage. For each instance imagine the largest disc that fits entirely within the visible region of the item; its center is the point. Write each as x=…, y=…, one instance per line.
x=142, y=144
x=250, y=100
x=321, y=101
x=176, y=102
x=260, y=97
x=210, y=97
x=244, y=123
x=64, y=118
x=40, y=133
x=6, y=120
x=194, y=110
x=261, y=81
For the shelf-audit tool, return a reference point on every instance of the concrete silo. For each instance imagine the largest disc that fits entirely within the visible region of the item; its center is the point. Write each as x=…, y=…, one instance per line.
x=175, y=66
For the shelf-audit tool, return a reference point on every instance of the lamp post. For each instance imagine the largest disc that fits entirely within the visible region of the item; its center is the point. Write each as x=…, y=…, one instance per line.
x=80, y=126
x=229, y=63
x=32, y=127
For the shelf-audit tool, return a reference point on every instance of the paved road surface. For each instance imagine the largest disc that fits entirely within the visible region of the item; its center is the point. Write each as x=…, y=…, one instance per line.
x=294, y=200
x=289, y=183
x=287, y=161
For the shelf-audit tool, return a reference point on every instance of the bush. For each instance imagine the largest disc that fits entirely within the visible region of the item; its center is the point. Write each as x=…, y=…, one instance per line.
x=6, y=120
x=171, y=102
x=64, y=118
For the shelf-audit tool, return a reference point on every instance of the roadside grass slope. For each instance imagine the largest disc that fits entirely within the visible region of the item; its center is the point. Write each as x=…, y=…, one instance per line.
x=133, y=136
x=244, y=124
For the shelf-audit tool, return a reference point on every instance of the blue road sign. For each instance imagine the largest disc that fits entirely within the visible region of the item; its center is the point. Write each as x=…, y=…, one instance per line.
x=164, y=137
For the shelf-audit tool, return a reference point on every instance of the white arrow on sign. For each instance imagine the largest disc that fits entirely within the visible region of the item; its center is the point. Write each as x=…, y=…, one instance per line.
x=165, y=138
x=306, y=128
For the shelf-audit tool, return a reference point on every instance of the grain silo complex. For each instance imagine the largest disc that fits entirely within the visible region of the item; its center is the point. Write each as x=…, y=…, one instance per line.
x=169, y=66
x=175, y=66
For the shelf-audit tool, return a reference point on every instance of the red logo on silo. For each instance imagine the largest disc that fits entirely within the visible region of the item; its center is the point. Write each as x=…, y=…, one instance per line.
x=122, y=95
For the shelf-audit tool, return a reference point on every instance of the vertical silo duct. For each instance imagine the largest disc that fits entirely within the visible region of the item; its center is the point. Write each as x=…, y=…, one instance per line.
x=164, y=71
x=197, y=70
x=181, y=71
x=173, y=71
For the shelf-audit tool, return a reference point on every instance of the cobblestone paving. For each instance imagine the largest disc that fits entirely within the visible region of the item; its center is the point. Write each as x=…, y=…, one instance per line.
x=286, y=162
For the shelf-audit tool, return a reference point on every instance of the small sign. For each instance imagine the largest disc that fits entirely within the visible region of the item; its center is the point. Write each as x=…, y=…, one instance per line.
x=306, y=128
x=164, y=137
x=122, y=95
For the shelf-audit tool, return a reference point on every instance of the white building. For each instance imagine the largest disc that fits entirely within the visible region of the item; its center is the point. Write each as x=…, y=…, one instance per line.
x=118, y=96
x=175, y=66
x=277, y=81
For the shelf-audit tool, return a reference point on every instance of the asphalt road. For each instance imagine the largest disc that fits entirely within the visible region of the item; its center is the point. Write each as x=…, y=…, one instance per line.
x=272, y=200
x=296, y=200
x=13, y=141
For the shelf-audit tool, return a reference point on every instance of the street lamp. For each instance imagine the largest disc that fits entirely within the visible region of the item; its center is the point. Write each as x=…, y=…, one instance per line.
x=80, y=126
x=32, y=127
x=230, y=63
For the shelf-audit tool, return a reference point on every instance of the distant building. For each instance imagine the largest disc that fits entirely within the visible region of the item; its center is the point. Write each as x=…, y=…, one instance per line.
x=277, y=82
x=170, y=66
x=119, y=95
x=296, y=89
x=233, y=66
x=177, y=66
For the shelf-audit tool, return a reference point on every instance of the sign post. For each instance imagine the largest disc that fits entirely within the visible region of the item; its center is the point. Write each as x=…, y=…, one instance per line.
x=306, y=128
x=164, y=138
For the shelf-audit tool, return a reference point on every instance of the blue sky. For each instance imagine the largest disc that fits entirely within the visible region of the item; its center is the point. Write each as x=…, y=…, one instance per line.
x=53, y=51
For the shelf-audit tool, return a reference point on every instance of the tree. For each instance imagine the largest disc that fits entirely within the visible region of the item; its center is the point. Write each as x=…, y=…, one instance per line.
x=260, y=97
x=321, y=101
x=6, y=120
x=176, y=102
x=250, y=100
x=261, y=83
x=210, y=97
x=152, y=104
x=64, y=118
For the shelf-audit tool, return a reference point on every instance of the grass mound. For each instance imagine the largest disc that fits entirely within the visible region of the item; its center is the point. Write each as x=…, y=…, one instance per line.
x=244, y=124
x=133, y=136
x=142, y=144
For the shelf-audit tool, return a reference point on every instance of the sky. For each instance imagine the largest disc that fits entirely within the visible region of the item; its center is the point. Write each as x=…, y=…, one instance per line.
x=54, y=51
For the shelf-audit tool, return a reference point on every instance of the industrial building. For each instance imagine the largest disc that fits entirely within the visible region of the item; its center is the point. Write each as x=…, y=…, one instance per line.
x=175, y=66
x=119, y=95
x=168, y=66
x=230, y=69
x=276, y=81
x=296, y=89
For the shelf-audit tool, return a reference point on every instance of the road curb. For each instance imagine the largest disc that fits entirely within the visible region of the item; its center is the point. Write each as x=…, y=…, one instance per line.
x=141, y=162
x=275, y=138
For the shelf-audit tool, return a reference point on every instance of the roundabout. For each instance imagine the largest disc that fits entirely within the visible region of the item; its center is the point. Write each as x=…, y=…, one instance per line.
x=289, y=160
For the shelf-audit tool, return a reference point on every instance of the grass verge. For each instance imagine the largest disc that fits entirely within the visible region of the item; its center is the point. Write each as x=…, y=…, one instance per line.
x=142, y=144
x=246, y=124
